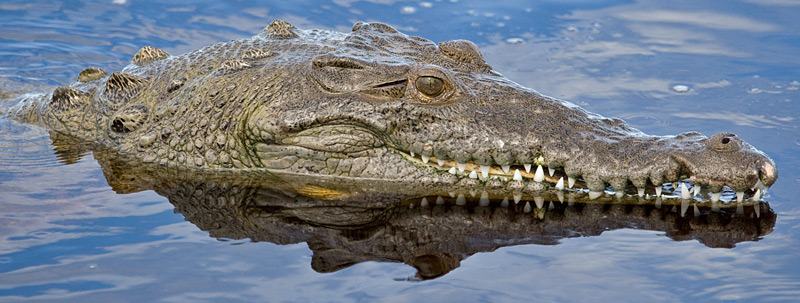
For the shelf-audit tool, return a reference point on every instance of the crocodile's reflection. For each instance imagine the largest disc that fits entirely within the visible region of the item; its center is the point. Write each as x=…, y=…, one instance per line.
x=432, y=233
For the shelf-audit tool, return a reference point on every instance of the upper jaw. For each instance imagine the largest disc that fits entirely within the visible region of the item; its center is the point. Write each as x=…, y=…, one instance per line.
x=677, y=174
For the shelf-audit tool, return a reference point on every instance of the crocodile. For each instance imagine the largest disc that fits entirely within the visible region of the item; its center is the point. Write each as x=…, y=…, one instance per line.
x=377, y=104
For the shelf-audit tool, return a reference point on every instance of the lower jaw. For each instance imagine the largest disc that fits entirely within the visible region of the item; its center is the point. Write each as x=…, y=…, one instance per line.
x=538, y=178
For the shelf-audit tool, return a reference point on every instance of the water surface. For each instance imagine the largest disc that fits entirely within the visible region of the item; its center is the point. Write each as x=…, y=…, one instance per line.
x=67, y=234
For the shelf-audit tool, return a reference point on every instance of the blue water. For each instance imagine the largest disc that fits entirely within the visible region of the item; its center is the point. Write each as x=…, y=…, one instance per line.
x=67, y=236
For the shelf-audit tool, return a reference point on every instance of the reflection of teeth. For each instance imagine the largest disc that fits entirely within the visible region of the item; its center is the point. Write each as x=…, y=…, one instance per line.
x=517, y=197
x=439, y=201
x=424, y=202
x=484, y=200
x=539, y=202
x=527, y=207
x=461, y=200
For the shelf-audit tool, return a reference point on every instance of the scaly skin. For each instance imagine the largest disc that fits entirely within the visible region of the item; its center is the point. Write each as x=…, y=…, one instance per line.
x=375, y=104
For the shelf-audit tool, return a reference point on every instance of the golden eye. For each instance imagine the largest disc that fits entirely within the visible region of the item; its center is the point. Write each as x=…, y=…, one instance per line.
x=430, y=86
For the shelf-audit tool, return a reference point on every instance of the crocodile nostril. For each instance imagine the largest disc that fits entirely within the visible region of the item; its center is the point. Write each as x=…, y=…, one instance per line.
x=726, y=140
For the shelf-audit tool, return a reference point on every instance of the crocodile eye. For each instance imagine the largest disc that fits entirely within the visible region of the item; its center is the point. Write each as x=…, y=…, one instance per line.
x=430, y=86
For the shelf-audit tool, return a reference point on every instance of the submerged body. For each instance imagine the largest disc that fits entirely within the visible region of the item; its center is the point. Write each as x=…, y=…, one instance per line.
x=376, y=104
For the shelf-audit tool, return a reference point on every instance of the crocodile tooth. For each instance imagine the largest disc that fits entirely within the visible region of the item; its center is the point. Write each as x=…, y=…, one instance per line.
x=517, y=197
x=539, y=176
x=484, y=200
x=505, y=168
x=560, y=196
x=594, y=195
x=504, y=203
x=425, y=159
x=640, y=192
x=560, y=184
x=685, y=192
x=696, y=190
x=411, y=206
x=439, y=200
x=619, y=194
x=551, y=171
x=570, y=181
x=527, y=207
x=452, y=170
x=757, y=195
x=517, y=175
x=461, y=200
x=758, y=185
x=658, y=190
x=527, y=167
x=473, y=175
x=739, y=196
x=696, y=210
x=440, y=162
x=452, y=194
x=424, y=202
x=715, y=197
x=485, y=171
x=412, y=153
x=757, y=210
x=461, y=166
x=539, y=202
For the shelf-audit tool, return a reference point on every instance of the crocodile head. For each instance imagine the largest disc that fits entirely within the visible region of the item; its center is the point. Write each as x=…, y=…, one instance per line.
x=381, y=104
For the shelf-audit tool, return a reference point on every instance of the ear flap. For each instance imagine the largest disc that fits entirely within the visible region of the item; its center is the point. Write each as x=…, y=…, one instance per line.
x=464, y=51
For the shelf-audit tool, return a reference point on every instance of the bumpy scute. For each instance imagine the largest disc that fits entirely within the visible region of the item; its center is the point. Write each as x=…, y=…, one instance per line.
x=464, y=51
x=91, y=74
x=129, y=119
x=67, y=98
x=279, y=29
x=120, y=87
x=147, y=55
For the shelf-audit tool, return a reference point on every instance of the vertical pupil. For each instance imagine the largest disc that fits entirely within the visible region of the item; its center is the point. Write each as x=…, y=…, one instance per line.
x=430, y=86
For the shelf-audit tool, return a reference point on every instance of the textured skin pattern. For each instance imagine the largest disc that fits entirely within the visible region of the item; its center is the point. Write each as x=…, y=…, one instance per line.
x=377, y=104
